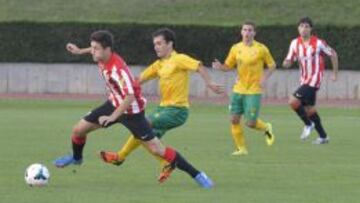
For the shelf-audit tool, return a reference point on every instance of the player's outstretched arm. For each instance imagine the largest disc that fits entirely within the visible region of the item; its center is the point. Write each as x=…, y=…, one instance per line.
x=74, y=49
x=287, y=63
x=106, y=120
x=267, y=73
x=335, y=64
x=204, y=73
x=216, y=64
x=149, y=73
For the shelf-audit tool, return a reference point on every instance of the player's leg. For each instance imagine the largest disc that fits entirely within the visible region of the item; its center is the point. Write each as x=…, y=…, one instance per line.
x=177, y=160
x=161, y=120
x=314, y=117
x=252, y=104
x=237, y=133
x=131, y=143
x=236, y=110
x=79, y=133
x=138, y=125
x=78, y=140
x=297, y=102
x=165, y=119
x=117, y=158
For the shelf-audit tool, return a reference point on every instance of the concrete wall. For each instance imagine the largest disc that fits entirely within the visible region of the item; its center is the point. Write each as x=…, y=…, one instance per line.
x=85, y=78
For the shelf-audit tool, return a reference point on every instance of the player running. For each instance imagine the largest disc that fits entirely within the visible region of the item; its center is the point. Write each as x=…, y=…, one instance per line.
x=173, y=71
x=309, y=50
x=125, y=105
x=249, y=57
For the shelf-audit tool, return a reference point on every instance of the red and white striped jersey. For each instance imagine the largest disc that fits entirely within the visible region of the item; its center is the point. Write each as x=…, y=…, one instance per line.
x=120, y=82
x=310, y=58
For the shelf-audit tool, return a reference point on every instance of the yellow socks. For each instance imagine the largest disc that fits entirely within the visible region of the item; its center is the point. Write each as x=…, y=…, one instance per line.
x=131, y=144
x=260, y=125
x=238, y=136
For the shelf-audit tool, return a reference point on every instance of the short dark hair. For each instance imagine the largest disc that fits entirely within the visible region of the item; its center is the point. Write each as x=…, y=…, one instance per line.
x=103, y=37
x=249, y=22
x=306, y=20
x=167, y=33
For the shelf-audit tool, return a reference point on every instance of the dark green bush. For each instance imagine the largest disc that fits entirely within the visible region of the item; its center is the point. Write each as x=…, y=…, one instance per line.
x=45, y=42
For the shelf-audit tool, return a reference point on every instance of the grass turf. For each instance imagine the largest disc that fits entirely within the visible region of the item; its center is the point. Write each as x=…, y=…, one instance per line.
x=289, y=171
x=210, y=12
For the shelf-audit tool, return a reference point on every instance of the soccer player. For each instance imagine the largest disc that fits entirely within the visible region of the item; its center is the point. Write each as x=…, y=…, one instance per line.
x=173, y=71
x=309, y=50
x=125, y=105
x=249, y=57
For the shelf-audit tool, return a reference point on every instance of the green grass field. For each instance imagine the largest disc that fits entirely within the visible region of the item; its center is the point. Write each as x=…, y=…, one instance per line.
x=290, y=171
x=212, y=12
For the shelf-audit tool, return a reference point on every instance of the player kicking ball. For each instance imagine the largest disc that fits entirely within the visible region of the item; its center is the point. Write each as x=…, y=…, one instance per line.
x=173, y=70
x=309, y=50
x=125, y=105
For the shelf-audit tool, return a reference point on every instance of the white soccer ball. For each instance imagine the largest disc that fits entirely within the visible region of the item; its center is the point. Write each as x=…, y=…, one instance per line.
x=37, y=175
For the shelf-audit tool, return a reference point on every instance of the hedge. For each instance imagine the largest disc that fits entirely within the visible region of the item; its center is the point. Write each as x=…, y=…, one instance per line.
x=45, y=42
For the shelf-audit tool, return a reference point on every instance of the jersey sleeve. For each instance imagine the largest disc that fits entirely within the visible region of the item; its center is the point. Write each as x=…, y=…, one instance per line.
x=128, y=86
x=291, y=56
x=268, y=59
x=325, y=48
x=186, y=62
x=230, y=60
x=150, y=72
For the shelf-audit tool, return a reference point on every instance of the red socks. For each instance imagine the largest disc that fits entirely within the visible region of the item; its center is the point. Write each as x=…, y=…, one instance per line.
x=170, y=154
x=78, y=139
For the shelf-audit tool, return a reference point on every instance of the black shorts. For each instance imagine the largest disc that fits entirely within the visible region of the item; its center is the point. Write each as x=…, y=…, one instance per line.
x=306, y=94
x=136, y=123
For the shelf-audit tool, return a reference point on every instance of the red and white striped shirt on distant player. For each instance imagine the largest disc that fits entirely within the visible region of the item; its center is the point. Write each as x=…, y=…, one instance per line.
x=310, y=59
x=120, y=82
